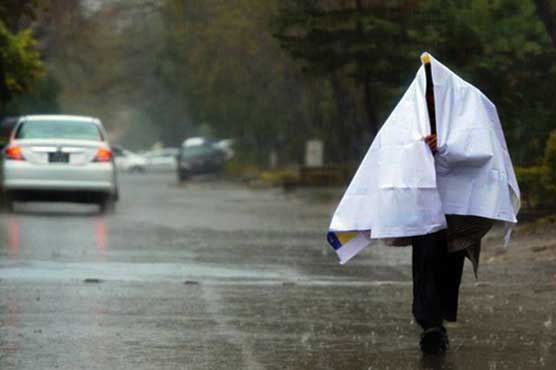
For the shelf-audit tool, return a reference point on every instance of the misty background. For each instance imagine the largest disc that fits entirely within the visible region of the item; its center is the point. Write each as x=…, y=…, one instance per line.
x=273, y=74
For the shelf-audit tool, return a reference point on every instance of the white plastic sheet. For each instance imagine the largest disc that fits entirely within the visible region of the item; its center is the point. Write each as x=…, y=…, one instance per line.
x=401, y=189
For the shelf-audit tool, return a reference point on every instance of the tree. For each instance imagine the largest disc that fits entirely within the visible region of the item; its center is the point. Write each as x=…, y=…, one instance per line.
x=16, y=13
x=43, y=99
x=229, y=73
x=20, y=64
x=358, y=38
x=500, y=46
x=547, y=13
x=104, y=59
x=503, y=48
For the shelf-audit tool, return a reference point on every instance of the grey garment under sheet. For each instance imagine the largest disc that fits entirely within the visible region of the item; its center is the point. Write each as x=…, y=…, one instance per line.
x=463, y=232
x=466, y=232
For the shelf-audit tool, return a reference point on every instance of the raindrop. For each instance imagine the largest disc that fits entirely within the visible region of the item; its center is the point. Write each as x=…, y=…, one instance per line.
x=548, y=323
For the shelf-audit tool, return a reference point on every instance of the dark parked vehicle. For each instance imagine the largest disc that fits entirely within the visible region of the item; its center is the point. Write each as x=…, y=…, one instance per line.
x=203, y=158
x=6, y=127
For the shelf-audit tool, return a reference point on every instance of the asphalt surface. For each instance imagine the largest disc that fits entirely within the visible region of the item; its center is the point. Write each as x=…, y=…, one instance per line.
x=213, y=275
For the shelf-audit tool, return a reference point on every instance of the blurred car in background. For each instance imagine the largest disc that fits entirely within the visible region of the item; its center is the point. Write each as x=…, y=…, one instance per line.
x=164, y=159
x=59, y=158
x=199, y=156
x=193, y=141
x=226, y=146
x=127, y=161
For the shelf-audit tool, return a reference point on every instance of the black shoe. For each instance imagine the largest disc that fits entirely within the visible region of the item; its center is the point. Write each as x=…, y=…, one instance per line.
x=434, y=341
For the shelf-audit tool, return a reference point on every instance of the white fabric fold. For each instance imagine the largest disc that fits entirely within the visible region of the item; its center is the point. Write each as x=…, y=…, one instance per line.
x=401, y=189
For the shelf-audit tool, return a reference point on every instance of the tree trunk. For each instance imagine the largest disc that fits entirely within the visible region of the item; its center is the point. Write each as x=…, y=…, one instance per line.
x=372, y=117
x=369, y=105
x=4, y=92
x=546, y=9
x=341, y=137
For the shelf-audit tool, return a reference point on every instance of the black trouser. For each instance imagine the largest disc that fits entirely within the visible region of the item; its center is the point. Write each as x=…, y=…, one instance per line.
x=436, y=280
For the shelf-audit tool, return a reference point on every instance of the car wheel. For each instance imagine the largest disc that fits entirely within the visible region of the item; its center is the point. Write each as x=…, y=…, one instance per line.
x=9, y=206
x=7, y=203
x=107, y=205
x=183, y=175
x=137, y=169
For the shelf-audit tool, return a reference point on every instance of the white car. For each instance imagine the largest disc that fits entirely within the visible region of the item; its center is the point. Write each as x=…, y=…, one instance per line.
x=59, y=158
x=127, y=161
x=162, y=160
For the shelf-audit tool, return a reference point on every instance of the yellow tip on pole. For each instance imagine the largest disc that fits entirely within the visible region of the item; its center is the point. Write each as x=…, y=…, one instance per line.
x=425, y=58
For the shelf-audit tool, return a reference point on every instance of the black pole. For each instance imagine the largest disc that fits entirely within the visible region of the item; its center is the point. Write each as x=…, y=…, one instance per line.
x=430, y=98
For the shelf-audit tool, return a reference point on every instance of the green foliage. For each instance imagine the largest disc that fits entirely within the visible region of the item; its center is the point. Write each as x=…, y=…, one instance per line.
x=351, y=43
x=328, y=38
x=14, y=12
x=538, y=183
x=530, y=184
x=501, y=46
x=43, y=99
x=272, y=74
x=279, y=178
x=546, y=10
x=20, y=64
x=344, y=75
x=104, y=60
x=548, y=178
x=223, y=64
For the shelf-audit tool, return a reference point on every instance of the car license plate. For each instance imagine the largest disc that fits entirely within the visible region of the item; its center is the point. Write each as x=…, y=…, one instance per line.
x=58, y=157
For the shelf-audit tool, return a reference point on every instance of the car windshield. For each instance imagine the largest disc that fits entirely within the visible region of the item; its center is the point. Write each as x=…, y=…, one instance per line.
x=196, y=151
x=52, y=129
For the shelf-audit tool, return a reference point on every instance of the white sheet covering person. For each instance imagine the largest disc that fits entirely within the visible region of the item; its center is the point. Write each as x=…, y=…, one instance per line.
x=402, y=190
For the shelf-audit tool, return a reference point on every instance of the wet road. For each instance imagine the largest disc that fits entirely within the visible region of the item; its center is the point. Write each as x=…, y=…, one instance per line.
x=216, y=276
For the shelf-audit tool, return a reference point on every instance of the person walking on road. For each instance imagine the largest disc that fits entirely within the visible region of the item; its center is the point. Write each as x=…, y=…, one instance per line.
x=436, y=177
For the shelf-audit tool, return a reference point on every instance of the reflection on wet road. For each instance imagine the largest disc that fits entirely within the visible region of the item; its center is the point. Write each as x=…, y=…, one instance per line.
x=14, y=241
x=216, y=276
